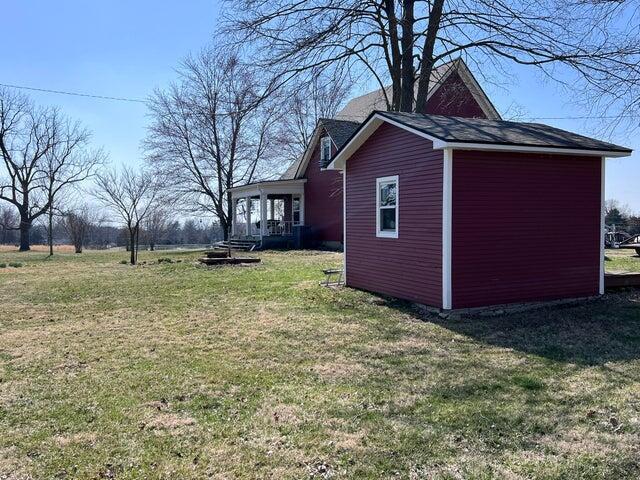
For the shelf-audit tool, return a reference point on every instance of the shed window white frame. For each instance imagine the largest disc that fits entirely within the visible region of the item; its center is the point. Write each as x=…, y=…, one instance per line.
x=380, y=183
x=325, y=149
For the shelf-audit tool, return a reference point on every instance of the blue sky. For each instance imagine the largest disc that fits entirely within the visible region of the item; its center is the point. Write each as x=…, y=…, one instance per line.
x=127, y=48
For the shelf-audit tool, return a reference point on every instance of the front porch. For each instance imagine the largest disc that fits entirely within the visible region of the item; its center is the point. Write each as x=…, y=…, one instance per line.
x=271, y=213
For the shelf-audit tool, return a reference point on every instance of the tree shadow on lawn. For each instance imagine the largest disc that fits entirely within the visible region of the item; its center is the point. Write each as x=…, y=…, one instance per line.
x=589, y=333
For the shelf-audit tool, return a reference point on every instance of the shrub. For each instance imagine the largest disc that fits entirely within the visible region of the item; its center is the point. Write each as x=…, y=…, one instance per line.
x=123, y=262
x=15, y=264
x=3, y=265
x=165, y=260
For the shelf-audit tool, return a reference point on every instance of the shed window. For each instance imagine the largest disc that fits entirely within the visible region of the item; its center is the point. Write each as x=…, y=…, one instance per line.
x=325, y=150
x=387, y=207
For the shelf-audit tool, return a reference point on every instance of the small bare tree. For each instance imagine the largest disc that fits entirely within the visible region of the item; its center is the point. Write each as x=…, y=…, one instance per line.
x=8, y=225
x=130, y=195
x=211, y=131
x=43, y=153
x=79, y=222
x=155, y=226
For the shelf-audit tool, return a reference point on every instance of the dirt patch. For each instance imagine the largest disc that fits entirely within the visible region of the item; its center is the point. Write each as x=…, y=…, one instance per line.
x=11, y=468
x=280, y=414
x=340, y=369
x=81, y=438
x=169, y=422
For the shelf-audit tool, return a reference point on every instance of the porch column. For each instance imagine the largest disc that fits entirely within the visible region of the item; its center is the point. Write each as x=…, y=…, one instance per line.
x=234, y=229
x=302, y=208
x=247, y=203
x=263, y=214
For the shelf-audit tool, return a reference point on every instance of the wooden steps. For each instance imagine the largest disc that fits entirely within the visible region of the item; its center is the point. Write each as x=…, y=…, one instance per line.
x=229, y=260
x=243, y=245
x=221, y=257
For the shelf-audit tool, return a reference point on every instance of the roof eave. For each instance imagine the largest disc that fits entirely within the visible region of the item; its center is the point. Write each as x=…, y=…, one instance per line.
x=376, y=119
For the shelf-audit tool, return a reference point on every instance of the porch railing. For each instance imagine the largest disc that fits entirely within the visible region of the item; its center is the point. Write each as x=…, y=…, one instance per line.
x=279, y=227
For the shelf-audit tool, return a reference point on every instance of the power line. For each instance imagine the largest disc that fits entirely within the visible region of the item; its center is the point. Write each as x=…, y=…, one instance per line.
x=74, y=94
x=138, y=100
x=585, y=117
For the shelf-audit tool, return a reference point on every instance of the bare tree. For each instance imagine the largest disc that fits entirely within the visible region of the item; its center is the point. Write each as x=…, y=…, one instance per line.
x=155, y=226
x=130, y=195
x=67, y=164
x=211, y=131
x=8, y=225
x=304, y=103
x=78, y=223
x=43, y=153
x=401, y=40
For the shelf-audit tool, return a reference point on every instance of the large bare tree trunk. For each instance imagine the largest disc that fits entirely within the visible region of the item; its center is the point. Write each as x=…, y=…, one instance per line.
x=25, y=231
x=427, y=56
x=408, y=76
x=132, y=246
x=50, y=231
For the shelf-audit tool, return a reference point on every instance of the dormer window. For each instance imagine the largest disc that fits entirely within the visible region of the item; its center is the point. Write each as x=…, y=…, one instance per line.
x=325, y=150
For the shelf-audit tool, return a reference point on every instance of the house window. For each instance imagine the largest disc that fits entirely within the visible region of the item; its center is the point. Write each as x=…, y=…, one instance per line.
x=387, y=207
x=325, y=150
x=296, y=211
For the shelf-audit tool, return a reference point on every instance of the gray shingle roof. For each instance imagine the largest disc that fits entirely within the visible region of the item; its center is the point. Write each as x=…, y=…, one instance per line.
x=498, y=132
x=339, y=130
x=358, y=108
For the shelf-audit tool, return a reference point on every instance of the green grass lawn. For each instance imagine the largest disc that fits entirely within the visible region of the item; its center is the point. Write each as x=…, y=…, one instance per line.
x=170, y=370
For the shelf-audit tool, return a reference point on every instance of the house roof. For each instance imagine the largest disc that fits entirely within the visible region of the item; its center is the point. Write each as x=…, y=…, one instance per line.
x=359, y=108
x=347, y=121
x=481, y=134
x=339, y=130
x=499, y=132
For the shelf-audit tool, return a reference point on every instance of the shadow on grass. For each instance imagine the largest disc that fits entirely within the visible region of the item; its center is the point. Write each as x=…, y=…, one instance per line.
x=589, y=333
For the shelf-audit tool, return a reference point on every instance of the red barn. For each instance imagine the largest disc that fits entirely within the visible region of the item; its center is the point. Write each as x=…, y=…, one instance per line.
x=467, y=212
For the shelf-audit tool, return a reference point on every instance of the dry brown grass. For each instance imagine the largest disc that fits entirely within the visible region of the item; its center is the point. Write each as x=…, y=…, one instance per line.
x=175, y=371
x=40, y=248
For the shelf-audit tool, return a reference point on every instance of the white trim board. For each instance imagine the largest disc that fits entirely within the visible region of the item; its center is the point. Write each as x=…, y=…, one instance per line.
x=602, y=177
x=447, y=198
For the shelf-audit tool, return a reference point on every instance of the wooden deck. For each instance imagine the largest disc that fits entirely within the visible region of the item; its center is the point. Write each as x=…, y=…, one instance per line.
x=619, y=280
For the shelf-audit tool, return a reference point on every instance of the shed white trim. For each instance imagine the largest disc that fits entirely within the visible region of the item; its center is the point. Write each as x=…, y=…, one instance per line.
x=602, y=177
x=447, y=199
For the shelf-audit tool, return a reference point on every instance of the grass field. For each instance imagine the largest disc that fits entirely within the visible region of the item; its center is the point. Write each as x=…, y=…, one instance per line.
x=170, y=370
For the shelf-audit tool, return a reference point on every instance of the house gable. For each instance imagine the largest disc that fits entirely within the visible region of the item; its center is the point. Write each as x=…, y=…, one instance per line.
x=453, y=91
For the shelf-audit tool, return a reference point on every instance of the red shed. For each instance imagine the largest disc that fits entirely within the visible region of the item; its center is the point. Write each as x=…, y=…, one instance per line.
x=466, y=212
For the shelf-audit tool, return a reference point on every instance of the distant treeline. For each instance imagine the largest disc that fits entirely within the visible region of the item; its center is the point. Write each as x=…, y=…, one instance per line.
x=105, y=236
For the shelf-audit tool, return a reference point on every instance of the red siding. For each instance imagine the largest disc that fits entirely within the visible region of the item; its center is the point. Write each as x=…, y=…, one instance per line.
x=454, y=98
x=526, y=227
x=409, y=266
x=323, y=201
x=323, y=190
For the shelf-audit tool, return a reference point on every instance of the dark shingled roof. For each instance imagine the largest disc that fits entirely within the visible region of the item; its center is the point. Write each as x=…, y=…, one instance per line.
x=339, y=130
x=498, y=132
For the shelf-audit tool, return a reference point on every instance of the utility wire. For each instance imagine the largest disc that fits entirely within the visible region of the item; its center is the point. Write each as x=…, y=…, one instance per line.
x=137, y=100
x=74, y=94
